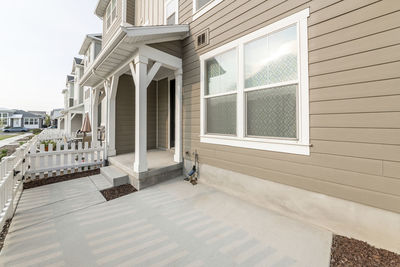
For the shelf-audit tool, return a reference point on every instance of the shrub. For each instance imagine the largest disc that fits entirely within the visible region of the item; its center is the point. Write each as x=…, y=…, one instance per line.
x=3, y=153
x=47, y=143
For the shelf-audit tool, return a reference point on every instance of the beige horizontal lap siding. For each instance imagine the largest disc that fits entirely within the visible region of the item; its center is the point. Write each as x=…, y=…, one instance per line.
x=173, y=47
x=163, y=125
x=130, y=11
x=125, y=116
x=354, y=62
x=109, y=33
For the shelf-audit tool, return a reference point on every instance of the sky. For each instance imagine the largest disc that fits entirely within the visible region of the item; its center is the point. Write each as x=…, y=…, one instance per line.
x=39, y=39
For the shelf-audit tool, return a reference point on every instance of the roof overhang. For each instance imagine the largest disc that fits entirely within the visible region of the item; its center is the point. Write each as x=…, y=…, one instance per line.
x=88, y=40
x=16, y=116
x=76, y=109
x=101, y=8
x=122, y=47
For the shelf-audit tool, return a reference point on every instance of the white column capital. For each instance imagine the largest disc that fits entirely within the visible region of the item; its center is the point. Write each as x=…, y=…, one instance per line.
x=178, y=72
x=141, y=59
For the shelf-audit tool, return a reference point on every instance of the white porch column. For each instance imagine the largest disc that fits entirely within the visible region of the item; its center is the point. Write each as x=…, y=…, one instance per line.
x=111, y=116
x=178, y=116
x=139, y=73
x=95, y=102
x=68, y=123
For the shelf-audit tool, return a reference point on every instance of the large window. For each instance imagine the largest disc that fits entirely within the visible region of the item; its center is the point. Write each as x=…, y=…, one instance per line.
x=254, y=90
x=171, y=12
x=111, y=13
x=202, y=6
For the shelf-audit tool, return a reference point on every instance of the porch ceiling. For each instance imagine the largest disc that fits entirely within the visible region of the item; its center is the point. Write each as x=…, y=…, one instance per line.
x=123, y=46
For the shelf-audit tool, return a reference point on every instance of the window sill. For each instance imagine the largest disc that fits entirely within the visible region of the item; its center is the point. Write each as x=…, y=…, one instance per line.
x=205, y=9
x=284, y=146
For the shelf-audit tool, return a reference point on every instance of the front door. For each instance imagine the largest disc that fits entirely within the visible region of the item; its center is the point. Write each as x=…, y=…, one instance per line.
x=17, y=122
x=172, y=113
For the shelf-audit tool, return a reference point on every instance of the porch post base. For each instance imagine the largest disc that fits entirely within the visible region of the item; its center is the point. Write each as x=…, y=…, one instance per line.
x=112, y=152
x=138, y=168
x=177, y=158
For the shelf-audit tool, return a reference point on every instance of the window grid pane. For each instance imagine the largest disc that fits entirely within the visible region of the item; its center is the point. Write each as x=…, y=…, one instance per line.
x=201, y=3
x=221, y=73
x=272, y=112
x=271, y=59
x=221, y=115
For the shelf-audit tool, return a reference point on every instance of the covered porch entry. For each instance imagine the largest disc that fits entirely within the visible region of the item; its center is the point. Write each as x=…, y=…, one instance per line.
x=144, y=103
x=162, y=159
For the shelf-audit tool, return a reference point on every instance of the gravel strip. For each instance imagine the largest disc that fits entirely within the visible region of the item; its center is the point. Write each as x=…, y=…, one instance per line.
x=4, y=232
x=58, y=179
x=349, y=252
x=118, y=191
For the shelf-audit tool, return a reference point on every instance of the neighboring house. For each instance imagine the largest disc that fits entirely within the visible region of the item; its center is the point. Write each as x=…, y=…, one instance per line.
x=42, y=115
x=55, y=115
x=26, y=119
x=20, y=118
x=292, y=104
x=5, y=117
x=73, y=111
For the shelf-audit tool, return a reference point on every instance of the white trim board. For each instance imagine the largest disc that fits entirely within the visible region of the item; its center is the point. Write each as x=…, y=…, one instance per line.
x=204, y=9
x=300, y=144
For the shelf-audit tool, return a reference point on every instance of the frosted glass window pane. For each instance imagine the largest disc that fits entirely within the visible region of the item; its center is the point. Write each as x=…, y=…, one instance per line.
x=221, y=73
x=201, y=3
x=272, y=112
x=221, y=115
x=271, y=59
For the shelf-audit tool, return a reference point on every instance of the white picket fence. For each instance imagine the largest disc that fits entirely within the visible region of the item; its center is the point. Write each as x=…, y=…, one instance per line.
x=12, y=170
x=33, y=161
x=64, y=158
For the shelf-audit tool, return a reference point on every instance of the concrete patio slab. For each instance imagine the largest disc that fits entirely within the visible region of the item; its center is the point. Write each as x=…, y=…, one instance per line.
x=48, y=194
x=46, y=212
x=171, y=224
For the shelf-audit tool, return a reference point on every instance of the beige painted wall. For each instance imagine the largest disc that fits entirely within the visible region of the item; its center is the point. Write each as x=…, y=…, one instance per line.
x=354, y=97
x=173, y=47
x=125, y=116
x=76, y=123
x=163, y=126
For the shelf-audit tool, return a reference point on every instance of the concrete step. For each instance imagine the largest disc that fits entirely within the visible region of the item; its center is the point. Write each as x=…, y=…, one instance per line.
x=116, y=176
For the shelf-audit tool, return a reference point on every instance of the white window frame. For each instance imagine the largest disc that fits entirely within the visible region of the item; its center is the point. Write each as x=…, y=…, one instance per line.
x=112, y=20
x=166, y=16
x=199, y=12
x=301, y=144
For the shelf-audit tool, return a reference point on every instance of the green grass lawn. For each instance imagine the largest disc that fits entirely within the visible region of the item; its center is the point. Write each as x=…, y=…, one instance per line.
x=2, y=137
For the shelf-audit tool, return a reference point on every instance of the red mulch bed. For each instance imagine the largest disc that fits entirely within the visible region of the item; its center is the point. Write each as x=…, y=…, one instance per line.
x=4, y=232
x=58, y=179
x=349, y=252
x=118, y=191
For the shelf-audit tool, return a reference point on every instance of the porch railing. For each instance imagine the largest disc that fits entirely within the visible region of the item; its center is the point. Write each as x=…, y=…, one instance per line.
x=34, y=160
